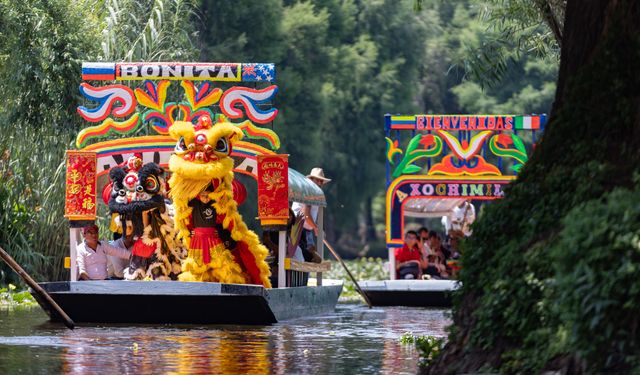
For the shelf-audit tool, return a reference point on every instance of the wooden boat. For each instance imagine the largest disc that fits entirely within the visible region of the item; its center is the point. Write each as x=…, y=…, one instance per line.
x=165, y=302
x=449, y=160
x=417, y=293
x=161, y=302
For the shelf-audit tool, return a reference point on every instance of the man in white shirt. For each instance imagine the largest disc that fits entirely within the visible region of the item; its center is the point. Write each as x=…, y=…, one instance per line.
x=460, y=219
x=92, y=255
x=310, y=230
x=116, y=265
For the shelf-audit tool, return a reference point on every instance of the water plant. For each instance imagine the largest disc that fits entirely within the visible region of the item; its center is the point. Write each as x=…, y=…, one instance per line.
x=428, y=346
x=362, y=269
x=9, y=298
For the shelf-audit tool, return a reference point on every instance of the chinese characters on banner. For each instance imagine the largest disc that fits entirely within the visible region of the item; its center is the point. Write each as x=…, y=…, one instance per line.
x=80, y=197
x=273, y=189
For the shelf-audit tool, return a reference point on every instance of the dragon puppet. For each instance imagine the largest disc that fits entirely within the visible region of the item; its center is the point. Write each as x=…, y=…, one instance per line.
x=137, y=197
x=202, y=171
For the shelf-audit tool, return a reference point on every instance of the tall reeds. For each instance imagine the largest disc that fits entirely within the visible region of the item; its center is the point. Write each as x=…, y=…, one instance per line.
x=32, y=226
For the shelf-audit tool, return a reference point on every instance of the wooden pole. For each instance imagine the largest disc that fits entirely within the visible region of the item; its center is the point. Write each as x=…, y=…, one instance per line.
x=37, y=288
x=320, y=248
x=282, y=243
x=335, y=254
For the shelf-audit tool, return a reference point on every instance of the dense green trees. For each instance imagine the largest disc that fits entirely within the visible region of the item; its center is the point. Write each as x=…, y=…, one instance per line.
x=550, y=276
x=342, y=64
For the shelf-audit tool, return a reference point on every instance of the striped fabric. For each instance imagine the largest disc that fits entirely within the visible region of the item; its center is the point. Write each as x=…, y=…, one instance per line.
x=527, y=122
x=98, y=71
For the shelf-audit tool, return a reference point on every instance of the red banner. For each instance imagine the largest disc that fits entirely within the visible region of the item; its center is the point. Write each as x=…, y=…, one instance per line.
x=273, y=189
x=80, y=199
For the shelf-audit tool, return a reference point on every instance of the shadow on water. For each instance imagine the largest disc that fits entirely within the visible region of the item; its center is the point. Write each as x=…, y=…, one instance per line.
x=354, y=339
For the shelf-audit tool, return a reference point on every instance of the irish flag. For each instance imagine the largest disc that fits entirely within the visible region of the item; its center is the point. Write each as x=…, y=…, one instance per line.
x=527, y=122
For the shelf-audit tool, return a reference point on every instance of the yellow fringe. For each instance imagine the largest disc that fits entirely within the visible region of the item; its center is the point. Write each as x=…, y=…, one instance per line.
x=187, y=181
x=222, y=268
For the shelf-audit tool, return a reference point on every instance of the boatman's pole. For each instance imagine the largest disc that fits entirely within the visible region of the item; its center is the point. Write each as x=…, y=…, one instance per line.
x=362, y=293
x=37, y=288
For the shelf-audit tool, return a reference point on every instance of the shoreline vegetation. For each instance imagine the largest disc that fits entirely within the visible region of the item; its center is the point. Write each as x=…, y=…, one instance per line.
x=10, y=298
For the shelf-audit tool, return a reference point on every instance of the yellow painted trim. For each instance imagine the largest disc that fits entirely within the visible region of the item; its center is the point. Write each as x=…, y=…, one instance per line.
x=264, y=222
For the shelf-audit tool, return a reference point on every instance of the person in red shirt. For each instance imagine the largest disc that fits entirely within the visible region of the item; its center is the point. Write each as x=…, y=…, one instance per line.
x=409, y=260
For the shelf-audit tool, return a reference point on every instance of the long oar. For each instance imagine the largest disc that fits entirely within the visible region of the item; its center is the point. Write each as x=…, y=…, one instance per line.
x=335, y=255
x=37, y=288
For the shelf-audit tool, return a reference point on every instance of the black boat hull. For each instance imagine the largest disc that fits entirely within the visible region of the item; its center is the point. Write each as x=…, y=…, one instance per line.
x=172, y=302
x=414, y=293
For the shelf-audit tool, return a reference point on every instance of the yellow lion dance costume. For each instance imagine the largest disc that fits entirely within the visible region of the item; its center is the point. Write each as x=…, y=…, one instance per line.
x=201, y=160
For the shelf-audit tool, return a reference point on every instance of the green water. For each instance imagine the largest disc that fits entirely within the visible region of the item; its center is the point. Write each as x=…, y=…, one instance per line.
x=353, y=340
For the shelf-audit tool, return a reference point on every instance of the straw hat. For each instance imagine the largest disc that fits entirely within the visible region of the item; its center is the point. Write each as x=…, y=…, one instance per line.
x=319, y=174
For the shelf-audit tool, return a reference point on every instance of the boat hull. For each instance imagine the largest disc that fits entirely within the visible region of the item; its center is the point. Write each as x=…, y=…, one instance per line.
x=174, y=302
x=414, y=293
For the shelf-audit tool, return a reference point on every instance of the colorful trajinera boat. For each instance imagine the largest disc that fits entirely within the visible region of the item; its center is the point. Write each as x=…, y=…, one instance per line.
x=202, y=264
x=448, y=161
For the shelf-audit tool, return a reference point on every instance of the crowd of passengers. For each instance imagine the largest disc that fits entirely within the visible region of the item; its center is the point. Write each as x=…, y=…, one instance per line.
x=424, y=255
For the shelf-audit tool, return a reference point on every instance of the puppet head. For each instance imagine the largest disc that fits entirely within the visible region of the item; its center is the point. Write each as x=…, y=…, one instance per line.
x=203, y=150
x=136, y=188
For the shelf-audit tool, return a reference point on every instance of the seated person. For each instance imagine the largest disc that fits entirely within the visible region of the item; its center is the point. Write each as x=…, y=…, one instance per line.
x=409, y=259
x=116, y=264
x=436, y=265
x=92, y=255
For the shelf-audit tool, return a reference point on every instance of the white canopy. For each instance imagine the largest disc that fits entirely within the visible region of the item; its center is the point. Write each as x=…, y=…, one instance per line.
x=430, y=207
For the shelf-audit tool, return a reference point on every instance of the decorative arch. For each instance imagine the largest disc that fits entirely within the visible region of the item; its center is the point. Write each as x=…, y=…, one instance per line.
x=158, y=149
x=408, y=187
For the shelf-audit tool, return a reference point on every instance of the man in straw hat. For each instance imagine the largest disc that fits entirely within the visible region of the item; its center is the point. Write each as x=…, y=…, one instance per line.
x=310, y=230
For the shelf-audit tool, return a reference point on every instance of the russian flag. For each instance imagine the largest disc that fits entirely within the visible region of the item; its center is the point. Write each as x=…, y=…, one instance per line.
x=95, y=71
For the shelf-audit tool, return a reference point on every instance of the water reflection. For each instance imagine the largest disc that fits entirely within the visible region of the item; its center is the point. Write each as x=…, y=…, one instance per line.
x=354, y=339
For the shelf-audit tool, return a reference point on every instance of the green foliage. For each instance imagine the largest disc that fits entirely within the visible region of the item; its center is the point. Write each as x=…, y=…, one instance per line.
x=428, y=346
x=42, y=45
x=361, y=269
x=515, y=28
x=159, y=30
x=597, y=267
x=525, y=83
x=553, y=265
x=32, y=188
x=10, y=299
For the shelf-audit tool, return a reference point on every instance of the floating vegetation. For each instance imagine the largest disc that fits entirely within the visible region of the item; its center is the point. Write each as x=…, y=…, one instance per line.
x=9, y=298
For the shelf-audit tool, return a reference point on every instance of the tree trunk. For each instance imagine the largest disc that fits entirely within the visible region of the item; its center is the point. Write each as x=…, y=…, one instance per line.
x=590, y=146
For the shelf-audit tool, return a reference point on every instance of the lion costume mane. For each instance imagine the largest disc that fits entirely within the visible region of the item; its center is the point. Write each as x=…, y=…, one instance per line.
x=202, y=157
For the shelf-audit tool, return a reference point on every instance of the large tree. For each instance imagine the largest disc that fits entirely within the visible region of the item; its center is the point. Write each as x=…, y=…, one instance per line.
x=551, y=275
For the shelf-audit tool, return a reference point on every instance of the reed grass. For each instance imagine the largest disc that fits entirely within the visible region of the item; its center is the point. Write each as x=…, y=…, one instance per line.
x=32, y=226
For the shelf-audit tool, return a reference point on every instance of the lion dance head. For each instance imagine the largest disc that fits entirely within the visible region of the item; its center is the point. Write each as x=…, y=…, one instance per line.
x=202, y=159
